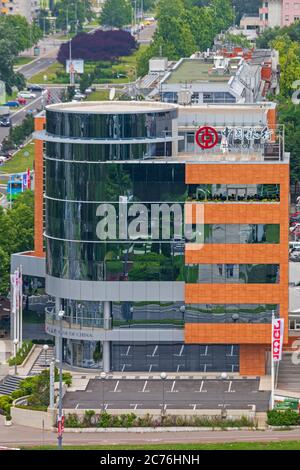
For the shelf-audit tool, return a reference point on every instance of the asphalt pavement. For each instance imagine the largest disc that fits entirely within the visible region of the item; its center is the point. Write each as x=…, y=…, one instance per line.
x=196, y=394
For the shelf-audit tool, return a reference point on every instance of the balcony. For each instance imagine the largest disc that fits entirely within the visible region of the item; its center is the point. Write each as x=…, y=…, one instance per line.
x=233, y=143
x=79, y=323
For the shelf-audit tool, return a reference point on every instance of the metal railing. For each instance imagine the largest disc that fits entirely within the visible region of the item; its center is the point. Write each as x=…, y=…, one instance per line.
x=78, y=321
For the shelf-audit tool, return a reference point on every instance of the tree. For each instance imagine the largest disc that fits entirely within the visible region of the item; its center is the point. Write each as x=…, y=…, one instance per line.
x=289, y=58
x=72, y=13
x=16, y=233
x=18, y=33
x=116, y=13
x=101, y=45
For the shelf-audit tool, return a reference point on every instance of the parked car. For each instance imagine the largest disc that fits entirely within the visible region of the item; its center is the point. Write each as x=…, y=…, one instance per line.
x=26, y=94
x=5, y=121
x=88, y=91
x=35, y=88
x=295, y=255
x=12, y=104
x=79, y=96
x=22, y=101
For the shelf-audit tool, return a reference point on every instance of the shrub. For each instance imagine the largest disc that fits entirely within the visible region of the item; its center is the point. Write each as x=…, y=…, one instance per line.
x=283, y=418
x=101, y=45
x=72, y=421
x=5, y=405
x=89, y=418
x=21, y=354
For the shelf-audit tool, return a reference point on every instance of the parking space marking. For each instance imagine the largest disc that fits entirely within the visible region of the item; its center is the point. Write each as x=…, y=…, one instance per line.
x=115, y=390
x=180, y=352
x=154, y=352
x=135, y=405
x=206, y=351
x=201, y=388
x=127, y=352
x=123, y=368
x=172, y=389
x=194, y=405
x=144, y=388
x=229, y=388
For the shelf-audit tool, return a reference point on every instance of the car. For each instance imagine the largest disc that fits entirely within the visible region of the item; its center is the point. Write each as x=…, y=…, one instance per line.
x=26, y=94
x=79, y=96
x=5, y=121
x=88, y=91
x=22, y=101
x=12, y=104
x=35, y=88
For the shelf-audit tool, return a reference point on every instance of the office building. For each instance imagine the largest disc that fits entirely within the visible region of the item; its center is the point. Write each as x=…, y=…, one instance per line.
x=279, y=13
x=194, y=292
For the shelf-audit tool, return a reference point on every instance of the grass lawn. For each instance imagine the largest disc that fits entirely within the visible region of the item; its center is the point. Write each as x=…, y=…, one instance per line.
x=20, y=163
x=125, y=65
x=281, y=445
x=22, y=60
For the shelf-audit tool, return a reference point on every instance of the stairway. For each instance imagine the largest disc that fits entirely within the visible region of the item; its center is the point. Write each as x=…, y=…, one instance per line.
x=289, y=374
x=43, y=361
x=9, y=384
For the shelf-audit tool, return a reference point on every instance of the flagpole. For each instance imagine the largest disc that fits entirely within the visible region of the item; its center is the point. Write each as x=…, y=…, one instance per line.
x=21, y=305
x=272, y=364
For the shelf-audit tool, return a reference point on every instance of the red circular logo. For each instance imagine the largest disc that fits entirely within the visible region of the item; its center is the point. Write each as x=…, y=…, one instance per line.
x=206, y=137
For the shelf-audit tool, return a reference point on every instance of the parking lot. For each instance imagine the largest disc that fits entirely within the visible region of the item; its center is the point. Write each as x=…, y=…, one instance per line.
x=156, y=393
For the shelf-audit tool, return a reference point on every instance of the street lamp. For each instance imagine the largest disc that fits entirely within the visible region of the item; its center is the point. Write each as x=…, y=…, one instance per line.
x=45, y=348
x=60, y=437
x=103, y=377
x=224, y=376
x=182, y=310
x=163, y=377
x=16, y=342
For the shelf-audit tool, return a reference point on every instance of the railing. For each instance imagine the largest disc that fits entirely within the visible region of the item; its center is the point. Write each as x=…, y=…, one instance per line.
x=78, y=322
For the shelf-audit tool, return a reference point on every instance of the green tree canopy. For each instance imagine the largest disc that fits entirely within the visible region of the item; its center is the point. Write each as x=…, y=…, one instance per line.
x=116, y=13
x=73, y=13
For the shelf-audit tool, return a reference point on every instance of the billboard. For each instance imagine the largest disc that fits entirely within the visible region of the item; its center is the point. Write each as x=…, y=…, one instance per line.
x=75, y=66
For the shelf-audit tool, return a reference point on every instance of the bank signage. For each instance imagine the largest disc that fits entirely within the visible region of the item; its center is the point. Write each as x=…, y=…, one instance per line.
x=208, y=137
x=277, y=338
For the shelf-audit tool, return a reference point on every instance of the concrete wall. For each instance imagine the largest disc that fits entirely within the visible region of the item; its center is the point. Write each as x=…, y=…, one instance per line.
x=32, y=419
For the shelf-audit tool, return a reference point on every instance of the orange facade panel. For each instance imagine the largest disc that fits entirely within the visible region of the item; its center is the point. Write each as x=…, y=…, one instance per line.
x=231, y=173
x=228, y=333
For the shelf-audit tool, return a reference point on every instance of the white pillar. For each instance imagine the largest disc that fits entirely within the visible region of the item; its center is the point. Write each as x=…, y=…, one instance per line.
x=57, y=309
x=106, y=356
x=106, y=344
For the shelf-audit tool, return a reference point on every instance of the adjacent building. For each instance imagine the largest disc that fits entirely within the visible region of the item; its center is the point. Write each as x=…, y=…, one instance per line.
x=27, y=8
x=227, y=75
x=194, y=291
x=279, y=13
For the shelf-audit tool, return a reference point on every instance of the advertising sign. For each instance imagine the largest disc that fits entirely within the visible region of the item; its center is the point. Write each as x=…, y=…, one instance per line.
x=75, y=66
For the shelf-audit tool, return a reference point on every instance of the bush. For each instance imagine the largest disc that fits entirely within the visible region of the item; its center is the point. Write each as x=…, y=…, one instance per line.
x=21, y=354
x=283, y=418
x=101, y=45
x=105, y=420
x=18, y=134
x=5, y=405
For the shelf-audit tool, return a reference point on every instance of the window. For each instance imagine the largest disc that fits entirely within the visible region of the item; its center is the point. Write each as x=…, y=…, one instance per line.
x=232, y=273
x=230, y=313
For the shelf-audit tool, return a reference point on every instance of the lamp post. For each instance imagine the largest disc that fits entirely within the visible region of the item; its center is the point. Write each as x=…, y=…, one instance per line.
x=182, y=310
x=60, y=437
x=163, y=377
x=45, y=348
x=103, y=377
x=224, y=376
x=16, y=342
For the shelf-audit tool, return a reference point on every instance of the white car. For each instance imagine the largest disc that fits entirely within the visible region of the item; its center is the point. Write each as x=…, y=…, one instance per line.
x=79, y=97
x=26, y=94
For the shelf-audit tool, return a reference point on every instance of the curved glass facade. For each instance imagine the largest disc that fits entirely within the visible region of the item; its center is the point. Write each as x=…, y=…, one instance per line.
x=110, y=126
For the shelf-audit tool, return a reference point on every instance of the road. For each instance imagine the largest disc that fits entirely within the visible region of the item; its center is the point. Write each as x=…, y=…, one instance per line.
x=36, y=66
x=16, y=435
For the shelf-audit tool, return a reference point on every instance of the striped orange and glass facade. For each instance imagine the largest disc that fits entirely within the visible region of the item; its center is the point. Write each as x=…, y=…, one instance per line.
x=253, y=338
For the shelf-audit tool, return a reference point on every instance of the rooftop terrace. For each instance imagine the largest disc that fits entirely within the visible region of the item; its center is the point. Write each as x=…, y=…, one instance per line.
x=196, y=71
